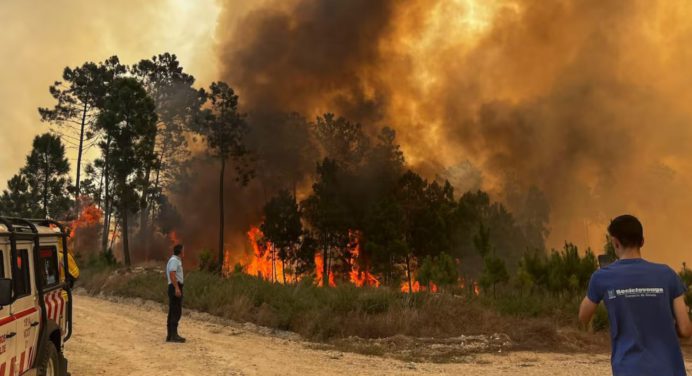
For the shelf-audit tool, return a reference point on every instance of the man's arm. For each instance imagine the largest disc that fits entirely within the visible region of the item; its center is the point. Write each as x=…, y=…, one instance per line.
x=587, y=310
x=174, y=281
x=682, y=318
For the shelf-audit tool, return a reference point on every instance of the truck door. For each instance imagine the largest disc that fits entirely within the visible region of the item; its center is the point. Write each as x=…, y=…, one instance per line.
x=25, y=306
x=48, y=272
x=8, y=326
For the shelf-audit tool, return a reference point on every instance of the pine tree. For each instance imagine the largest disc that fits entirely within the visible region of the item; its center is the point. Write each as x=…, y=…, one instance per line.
x=79, y=98
x=224, y=129
x=282, y=227
x=18, y=200
x=177, y=104
x=494, y=272
x=327, y=212
x=129, y=122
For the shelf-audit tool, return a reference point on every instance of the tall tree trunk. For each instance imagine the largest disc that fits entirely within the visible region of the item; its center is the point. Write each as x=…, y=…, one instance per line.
x=45, y=194
x=325, y=267
x=125, y=231
x=79, y=158
x=99, y=199
x=151, y=208
x=115, y=232
x=143, y=215
x=274, y=278
x=106, y=230
x=221, y=213
x=283, y=269
x=106, y=198
x=159, y=167
x=408, y=274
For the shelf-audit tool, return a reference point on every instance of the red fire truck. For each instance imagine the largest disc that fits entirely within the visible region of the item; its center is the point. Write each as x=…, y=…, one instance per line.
x=35, y=303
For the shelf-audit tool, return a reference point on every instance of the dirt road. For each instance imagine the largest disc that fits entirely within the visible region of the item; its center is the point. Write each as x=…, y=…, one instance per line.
x=128, y=339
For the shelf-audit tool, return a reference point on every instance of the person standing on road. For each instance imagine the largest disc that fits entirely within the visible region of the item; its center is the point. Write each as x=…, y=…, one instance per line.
x=645, y=303
x=174, y=275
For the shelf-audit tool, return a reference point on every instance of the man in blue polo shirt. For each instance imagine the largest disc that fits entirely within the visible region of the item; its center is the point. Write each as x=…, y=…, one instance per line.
x=646, y=307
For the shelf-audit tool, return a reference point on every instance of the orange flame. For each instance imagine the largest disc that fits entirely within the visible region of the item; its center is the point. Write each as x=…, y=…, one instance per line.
x=89, y=216
x=418, y=288
x=319, y=265
x=173, y=237
x=264, y=263
x=476, y=289
x=359, y=277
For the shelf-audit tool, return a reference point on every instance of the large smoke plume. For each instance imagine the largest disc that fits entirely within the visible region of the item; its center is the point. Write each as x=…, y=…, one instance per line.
x=586, y=100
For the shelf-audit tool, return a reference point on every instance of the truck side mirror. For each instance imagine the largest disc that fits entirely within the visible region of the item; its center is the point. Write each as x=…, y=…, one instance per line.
x=5, y=291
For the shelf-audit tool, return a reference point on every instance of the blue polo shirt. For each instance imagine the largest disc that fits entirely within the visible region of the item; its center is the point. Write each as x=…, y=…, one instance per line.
x=639, y=298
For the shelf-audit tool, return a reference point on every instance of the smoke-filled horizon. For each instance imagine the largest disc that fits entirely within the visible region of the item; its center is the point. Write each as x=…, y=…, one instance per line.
x=584, y=100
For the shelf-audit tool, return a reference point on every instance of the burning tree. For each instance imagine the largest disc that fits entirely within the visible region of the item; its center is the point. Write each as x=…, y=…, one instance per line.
x=411, y=197
x=328, y=213
x=85, y=229
x=224, y=129
x=282, y=228
x=439, y=271
x=129, y=121
x=386, y=240
x=176, y=105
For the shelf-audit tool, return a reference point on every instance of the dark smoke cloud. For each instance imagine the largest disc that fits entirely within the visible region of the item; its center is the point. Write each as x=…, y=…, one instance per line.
x=587, y=100
x=313, y=56
x=289, y=63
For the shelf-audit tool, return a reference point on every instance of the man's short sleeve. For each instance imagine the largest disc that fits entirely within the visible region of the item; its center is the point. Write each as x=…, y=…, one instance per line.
x=595, y=291
x=172, y=265
x=677, y=287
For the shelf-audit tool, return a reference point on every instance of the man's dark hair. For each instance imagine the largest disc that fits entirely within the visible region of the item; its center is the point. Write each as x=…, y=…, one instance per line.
x=628, y=230
x=177, y=249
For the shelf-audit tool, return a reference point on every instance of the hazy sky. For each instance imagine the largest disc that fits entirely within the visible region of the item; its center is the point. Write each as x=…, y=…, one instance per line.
x=40, y=38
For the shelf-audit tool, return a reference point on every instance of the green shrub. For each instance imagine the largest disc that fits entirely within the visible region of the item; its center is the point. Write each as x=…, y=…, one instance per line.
x=207, y=261
x=102, y=260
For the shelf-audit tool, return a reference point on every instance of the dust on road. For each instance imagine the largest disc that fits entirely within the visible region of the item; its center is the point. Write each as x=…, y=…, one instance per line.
x=128, y=339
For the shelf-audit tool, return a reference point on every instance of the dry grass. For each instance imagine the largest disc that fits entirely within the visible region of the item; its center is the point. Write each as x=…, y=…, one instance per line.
x=366, y=320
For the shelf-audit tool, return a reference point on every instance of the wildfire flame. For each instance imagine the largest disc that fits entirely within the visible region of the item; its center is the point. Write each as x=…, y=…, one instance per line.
x=319, y=267
x=264, y=262
x=89, y=216
x=173, y=237
x=418, y=288
x=359, y=277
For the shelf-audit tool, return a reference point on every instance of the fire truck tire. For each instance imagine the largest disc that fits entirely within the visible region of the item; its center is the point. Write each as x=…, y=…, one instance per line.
x=49, y=364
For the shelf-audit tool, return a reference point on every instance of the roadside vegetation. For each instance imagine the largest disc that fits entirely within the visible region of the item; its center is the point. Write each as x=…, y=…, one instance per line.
x=540, y=315
x=536, y=321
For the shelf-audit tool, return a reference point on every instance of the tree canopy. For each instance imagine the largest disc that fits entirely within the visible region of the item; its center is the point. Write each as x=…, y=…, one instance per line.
x=41, y=189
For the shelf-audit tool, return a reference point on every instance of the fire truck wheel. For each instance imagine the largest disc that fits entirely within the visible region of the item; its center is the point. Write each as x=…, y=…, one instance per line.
x=49, y=364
